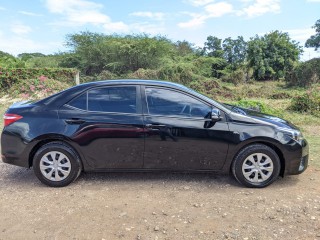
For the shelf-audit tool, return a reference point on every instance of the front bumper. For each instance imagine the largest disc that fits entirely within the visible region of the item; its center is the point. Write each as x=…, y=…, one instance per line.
x=297, y=160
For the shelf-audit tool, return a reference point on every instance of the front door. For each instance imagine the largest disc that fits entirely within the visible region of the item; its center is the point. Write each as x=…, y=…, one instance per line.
x=178, y=135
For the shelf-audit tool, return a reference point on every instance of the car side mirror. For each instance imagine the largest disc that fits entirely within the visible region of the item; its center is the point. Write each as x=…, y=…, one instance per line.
x=215, y=115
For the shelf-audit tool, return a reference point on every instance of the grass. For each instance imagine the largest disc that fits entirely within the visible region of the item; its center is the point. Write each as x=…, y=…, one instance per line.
x=314, y=146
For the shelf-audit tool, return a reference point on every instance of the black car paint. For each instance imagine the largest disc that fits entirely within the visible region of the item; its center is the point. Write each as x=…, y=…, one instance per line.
x=119, y=141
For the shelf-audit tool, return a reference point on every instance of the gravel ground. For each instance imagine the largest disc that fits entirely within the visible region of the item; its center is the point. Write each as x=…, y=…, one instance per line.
x=158, y=206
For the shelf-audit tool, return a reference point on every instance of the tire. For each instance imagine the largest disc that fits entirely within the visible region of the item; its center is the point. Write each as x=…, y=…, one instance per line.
x=56, y=164
x=256, y=166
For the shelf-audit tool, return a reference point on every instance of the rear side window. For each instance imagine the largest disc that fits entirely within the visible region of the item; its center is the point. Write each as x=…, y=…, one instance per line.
x=113, y=99
x=79, y=102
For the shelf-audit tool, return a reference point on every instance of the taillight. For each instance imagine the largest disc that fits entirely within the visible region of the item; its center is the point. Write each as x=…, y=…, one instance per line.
x=10, y=118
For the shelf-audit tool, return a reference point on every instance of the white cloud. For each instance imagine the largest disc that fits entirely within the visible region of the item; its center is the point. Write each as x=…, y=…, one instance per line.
x=154, y=25
x=213, y=10
x=88, y=17
x=198, y=3
x=82, y=12
x=197, y=20
x=219, y=9
x=78, y=12
x=113, y=27
x=146, y=27
x=19, y=28
x=260, y=7
x=300, y=35
x=153, y=15
x=30, y=14
x=66, y=6
x=18, y=44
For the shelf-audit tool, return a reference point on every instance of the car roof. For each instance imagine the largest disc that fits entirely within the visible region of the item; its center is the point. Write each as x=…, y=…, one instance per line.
x=136, y=81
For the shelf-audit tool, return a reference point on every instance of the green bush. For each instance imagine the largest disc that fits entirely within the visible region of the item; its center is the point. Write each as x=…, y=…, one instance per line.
x=142, y=73
x=236, y=77
x=305, y=74
x=10, y=76
x=180, y=72
x=280, y=95
x=44, y=62
x=106, y=75
x=308, y=102
x=213, y=89
x=257, y=106
x=9, y=61
x=206, y=86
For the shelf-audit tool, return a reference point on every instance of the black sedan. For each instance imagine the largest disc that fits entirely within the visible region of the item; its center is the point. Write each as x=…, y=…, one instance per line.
x=144, y=125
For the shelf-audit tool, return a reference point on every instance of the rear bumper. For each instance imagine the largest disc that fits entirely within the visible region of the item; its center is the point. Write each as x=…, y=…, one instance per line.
x=14, y=150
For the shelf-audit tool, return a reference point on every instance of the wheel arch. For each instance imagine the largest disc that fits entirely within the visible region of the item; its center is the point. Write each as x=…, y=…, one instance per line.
x=272, y=144
x=52, y=138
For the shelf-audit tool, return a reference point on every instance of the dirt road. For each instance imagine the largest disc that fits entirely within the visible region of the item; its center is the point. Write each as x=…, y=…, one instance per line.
x=158, y=206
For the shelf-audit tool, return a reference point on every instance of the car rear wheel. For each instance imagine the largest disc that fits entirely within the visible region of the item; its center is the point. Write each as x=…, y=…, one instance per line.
x=256, y=166
x=56, y=164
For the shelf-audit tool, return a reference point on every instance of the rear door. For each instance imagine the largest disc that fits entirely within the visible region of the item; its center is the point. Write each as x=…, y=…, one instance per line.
x=106, y=124
x=179, y=134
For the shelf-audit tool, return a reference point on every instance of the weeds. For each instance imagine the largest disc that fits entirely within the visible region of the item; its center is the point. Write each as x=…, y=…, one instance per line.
x=309, y=102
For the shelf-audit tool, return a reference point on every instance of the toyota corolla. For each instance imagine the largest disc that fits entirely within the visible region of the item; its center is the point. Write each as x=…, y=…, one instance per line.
x=145, y=125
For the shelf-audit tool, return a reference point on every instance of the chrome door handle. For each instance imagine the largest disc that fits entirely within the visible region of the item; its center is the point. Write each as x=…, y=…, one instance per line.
x=155, y=126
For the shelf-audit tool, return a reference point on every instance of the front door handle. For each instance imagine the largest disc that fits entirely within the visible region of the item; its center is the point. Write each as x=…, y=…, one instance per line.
x=163, y=130
x=155, y=126
x=75, y=121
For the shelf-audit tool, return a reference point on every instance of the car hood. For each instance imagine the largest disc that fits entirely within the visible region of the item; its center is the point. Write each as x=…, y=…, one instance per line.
x=251, y=116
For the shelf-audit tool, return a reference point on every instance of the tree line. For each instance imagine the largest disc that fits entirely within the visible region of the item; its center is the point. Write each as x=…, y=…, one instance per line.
x=269, y=57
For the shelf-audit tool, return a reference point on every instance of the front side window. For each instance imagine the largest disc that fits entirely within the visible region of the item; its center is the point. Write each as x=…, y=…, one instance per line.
x=113, y=99
x=167, y=102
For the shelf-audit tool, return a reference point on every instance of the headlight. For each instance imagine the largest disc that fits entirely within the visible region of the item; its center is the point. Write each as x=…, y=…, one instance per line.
x=292, y=133
x=297, y=135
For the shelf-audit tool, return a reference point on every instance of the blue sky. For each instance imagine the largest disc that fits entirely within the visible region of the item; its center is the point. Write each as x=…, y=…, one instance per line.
x=41, y=25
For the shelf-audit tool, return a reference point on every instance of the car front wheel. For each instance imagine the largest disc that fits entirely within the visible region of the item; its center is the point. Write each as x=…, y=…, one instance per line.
x=56, y=164
x=256, y=166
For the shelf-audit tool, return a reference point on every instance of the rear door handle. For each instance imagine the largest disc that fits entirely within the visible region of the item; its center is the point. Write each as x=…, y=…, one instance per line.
x=75, y=121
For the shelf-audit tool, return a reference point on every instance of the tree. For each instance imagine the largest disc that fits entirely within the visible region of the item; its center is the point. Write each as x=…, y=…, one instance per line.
x=272, y=55
x=27, y=56
x=314, y=40
x=235, y=51
x=9, y=61
x=184, y=48
x=4, y=54
x=212, y=47
x=119, y=54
